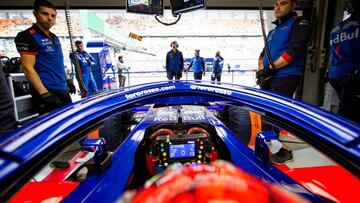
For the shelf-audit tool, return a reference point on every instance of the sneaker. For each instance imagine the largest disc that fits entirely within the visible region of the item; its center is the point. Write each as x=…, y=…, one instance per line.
x=282, y=156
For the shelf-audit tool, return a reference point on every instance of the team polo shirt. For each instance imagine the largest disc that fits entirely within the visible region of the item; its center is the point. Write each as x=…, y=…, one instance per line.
x=49, y=63
x=84, y=63
x=174, y=61
x=345, y=48
x=288, y=40
x=218, y=64
x=197, y=64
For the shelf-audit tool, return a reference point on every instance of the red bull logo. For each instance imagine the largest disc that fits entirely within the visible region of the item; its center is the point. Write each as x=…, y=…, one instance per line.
x=344, y=36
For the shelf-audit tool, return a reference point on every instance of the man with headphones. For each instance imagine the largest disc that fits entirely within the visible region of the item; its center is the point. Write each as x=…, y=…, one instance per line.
x=174, y=62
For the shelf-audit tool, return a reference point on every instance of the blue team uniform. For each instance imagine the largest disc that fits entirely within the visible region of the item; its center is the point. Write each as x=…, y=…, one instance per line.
x=174, y=64
x=278, y=42
x=344, y=72
x=86, y=61
x=345, y=48
x=218, y=64
x=49, y=56
x=217, y=68
x=49, y=65
x=198, y=65
x=287, y=40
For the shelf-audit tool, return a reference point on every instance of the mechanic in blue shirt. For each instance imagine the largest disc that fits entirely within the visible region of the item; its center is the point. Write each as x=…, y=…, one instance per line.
x=174, y=62
x=42, y=60
x=217, y=68
x=287, y=44
x=198, y=65
x=344, y=72
x=85, y=62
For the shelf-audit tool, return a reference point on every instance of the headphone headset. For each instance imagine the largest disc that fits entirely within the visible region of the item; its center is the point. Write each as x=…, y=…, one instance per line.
x=177, y=45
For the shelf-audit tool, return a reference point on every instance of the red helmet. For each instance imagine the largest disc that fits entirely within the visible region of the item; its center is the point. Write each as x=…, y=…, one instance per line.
x=219, y=181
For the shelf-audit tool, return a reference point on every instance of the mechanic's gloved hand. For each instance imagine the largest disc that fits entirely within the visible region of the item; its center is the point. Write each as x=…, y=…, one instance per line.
x=265, y=72
x=51, y=102
x=263, y=75
x=261, y=81
x=71, y=86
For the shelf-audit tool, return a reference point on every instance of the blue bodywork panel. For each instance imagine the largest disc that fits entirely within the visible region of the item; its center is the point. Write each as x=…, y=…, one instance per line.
x=37, y=142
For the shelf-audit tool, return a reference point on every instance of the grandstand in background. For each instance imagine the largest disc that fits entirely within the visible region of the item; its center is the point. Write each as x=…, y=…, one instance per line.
x=236, y=33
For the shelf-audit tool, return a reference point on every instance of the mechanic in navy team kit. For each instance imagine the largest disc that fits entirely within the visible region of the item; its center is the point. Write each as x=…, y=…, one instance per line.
x=198, y=65
x=85, y=62
x=287, y=45
x=42, y=60
x=174, y=62
x=344, y=72
x=217, y=68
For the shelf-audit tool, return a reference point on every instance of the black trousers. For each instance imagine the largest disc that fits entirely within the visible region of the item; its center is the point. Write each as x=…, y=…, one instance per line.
x=171, y=75
x=42, y=107
x=348, y=91
x=285, y=86
x=198, y=75
x=216, y=76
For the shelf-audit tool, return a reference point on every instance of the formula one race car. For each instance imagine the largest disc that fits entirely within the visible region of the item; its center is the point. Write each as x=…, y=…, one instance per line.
x=104, y=147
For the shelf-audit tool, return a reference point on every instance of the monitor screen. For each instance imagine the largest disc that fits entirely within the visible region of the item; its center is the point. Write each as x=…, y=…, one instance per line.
x=181, y=6
x=185, y=150
x=151, y=7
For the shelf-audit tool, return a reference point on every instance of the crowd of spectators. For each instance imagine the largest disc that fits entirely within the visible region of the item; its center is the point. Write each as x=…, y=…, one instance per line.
x=236, y=35
x=11, y=26
x=148, y=26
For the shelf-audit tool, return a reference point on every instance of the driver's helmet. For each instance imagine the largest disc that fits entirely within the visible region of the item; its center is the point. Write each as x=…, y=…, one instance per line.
x=219, y=181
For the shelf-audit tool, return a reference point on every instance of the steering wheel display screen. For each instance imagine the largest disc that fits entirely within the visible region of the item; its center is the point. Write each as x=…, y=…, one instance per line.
x=185, y=150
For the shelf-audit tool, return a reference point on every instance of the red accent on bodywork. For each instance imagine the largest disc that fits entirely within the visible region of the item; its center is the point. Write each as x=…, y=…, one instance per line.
x=49, y=192
x=332, y=182
x=53, y=188
x=60, y=175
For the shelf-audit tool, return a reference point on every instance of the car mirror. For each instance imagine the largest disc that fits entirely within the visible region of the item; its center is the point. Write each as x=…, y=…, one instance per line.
x=262, y=150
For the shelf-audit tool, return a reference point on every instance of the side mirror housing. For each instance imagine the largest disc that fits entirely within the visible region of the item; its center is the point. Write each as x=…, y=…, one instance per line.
x=262, y=150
